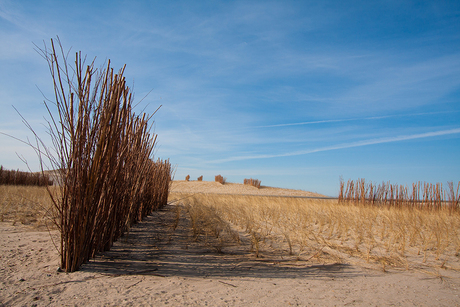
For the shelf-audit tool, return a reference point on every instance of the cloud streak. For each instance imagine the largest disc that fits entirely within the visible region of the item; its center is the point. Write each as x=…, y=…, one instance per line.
x=349, y=119
x=345, y=145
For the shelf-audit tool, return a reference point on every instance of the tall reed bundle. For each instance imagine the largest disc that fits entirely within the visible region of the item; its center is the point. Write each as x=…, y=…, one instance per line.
x=220, y=179
x=421, y=196
x=103, y=150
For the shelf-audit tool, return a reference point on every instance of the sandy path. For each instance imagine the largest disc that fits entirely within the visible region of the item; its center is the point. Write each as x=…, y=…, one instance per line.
x=157, y=265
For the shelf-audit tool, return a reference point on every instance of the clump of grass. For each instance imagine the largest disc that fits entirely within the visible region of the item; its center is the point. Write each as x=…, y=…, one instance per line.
x=104, y=158
x=200, y=178
x=254, y=182
x=220, y=179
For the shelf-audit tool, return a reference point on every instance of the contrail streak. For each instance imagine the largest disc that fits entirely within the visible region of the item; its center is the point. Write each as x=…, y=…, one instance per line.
x=348, y=119
x=345, y=145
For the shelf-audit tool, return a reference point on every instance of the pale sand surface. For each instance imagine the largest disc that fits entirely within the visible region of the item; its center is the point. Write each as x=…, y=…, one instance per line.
x=183, y=186
x=156, y=265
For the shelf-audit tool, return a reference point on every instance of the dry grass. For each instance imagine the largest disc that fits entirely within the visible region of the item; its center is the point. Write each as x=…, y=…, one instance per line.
x=385, y=237
x=28, y=205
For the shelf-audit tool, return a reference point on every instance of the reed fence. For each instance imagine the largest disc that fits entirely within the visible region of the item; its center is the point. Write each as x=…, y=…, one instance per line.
x=12, y=177
x=104, y=153
x=419, y=195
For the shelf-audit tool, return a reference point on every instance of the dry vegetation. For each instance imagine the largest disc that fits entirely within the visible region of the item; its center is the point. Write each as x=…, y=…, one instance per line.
x=103, y=154
x=301, y=228
x=220, y=179
x=28, y=205
x=254, y=182
x=426, y=196
x=12, y=177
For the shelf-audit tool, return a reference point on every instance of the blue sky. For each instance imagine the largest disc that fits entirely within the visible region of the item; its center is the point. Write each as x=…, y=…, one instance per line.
x=293, y=93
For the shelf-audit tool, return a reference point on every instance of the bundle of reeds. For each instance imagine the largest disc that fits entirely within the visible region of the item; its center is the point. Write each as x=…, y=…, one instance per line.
x=103, y=151
x=12, y=177
x=421, y=196
x=254, y=182
x=220, y=179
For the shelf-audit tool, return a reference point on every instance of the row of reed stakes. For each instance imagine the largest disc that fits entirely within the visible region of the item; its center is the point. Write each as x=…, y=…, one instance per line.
x=104, y=154
x=12, y=177
x=419, y=195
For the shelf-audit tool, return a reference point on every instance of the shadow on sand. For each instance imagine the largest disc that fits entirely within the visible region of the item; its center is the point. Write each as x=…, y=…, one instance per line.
x=153, y=247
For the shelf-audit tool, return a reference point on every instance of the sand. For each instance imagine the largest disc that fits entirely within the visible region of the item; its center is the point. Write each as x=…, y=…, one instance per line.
x=156, y=265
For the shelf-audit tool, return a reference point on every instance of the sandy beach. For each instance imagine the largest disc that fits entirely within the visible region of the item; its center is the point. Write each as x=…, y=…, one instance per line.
x=159, y=265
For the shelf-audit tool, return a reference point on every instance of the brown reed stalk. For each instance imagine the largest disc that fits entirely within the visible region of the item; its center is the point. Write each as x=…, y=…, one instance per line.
x=453, y=196
x=104, y=150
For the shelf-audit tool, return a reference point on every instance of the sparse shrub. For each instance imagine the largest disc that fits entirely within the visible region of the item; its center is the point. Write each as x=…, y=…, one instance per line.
x=187, y=178
x=254, y=182
x=200, y=178
x=220, y=179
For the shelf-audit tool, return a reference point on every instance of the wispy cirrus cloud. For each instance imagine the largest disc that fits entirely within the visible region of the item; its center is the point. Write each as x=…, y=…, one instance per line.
x=345, y=145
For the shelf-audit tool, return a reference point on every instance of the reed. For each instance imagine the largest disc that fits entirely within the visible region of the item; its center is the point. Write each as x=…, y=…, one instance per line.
x=103, y=153
x=254, y=182
x=12, y=177
x=220, y=179
x=426, y=196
